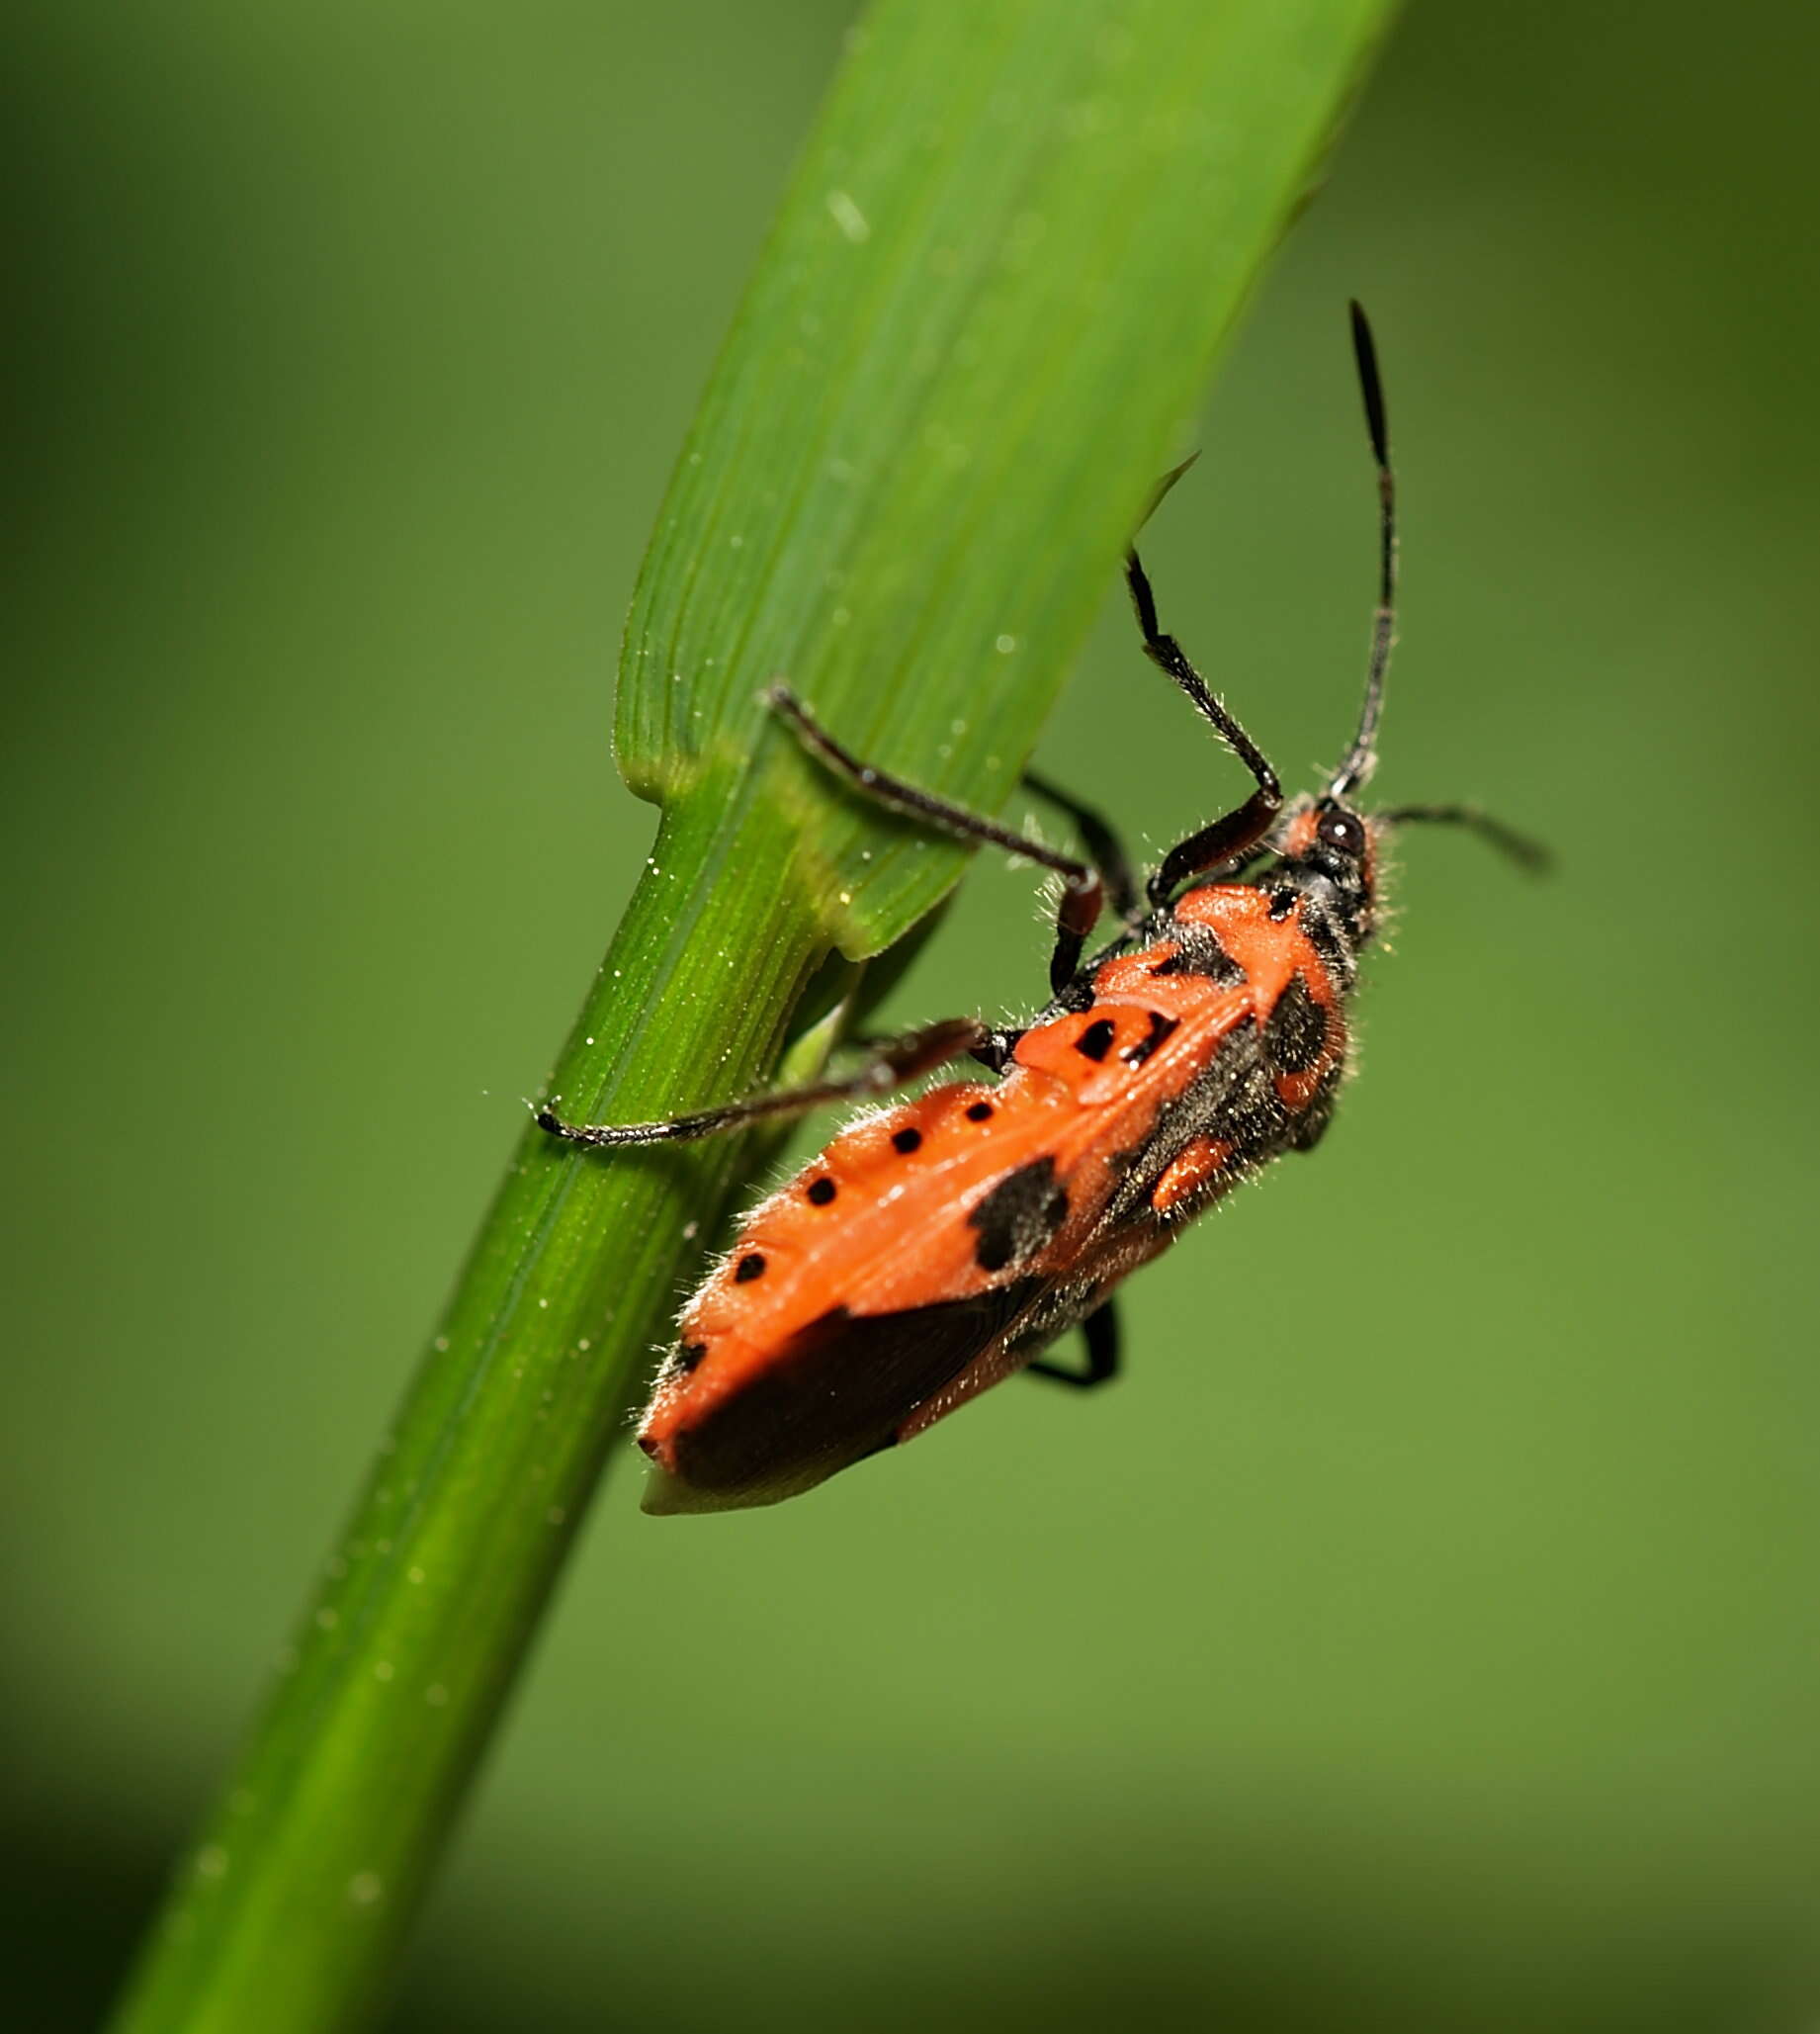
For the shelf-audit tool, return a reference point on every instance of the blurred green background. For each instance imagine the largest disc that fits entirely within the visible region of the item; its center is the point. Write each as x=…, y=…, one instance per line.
x=1423, y=1633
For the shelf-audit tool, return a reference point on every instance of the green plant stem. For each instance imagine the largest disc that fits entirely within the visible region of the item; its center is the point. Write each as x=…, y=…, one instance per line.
x=989, y=304
x=294, y=1897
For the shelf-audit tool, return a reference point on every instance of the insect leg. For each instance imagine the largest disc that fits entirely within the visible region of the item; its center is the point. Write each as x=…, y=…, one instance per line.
x=899, y=1060
x=995, y=1053
x=994, y=1050
x=1531, y=854
x=1102, y=844
x=1237, y=832
x=1082, y=886
x=1102, y=1339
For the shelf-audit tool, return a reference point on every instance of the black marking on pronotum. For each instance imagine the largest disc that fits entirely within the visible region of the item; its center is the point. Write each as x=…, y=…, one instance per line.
x=821, y=1191
x=1019, y=1215
x=1199, y=953
x=750, y=1266
x=906, y=1140
x=1159, y=1029
x=1297, y=1033
x=1096, y=1040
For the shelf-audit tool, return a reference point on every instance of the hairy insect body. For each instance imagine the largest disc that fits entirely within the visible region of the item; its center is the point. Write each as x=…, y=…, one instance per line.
x=933, y=1248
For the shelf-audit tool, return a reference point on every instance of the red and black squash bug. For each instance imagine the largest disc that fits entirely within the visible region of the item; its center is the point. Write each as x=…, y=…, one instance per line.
x=934, y=1248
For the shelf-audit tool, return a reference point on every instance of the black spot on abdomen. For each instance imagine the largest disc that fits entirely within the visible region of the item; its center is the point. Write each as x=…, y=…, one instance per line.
x=1019, y=1215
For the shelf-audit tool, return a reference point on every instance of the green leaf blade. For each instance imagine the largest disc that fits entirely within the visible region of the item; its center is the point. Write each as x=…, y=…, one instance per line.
x=977, y=335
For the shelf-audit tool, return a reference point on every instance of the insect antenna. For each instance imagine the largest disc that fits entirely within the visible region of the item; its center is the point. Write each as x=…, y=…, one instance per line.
x=1527, y=854
x=1361, y=759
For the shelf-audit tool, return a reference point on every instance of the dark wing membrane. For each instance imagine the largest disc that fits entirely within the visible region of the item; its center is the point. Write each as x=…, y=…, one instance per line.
x=839, y=1390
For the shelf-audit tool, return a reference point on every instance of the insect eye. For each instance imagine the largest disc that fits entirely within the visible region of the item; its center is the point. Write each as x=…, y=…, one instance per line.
x=1341, y=830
